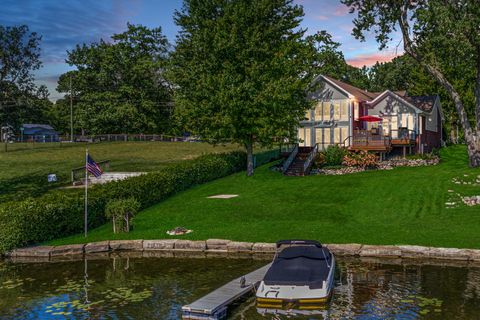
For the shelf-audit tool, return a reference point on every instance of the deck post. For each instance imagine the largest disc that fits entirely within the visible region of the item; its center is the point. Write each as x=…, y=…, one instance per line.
x=404, y=152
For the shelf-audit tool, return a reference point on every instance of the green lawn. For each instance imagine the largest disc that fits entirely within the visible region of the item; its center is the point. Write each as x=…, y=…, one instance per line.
x=400, y=206
x=24, y=168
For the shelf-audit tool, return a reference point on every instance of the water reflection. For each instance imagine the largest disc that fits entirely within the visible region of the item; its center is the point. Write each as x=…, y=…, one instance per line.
x=123, y=287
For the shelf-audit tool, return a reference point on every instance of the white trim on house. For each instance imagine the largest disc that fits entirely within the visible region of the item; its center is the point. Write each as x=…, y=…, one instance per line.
x=349, y=95
x=396, y=96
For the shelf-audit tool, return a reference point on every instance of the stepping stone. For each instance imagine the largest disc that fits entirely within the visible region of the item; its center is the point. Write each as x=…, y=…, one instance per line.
x=223, y=196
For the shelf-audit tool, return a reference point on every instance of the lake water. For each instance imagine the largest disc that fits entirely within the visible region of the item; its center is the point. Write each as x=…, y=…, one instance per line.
x=156, y=288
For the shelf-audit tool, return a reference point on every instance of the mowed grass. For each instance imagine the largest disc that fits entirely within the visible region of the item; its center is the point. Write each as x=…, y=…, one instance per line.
x=24, y=168
x=400, y=206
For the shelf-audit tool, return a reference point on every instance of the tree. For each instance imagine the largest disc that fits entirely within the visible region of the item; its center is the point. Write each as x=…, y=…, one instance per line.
x=119, y=85
x=241, y=70
x=19, y=57
x=443, y=37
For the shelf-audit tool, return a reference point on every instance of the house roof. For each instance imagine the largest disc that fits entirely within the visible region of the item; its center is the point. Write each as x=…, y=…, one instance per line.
x=34, y=125
x=424, y=103
x=356, y=92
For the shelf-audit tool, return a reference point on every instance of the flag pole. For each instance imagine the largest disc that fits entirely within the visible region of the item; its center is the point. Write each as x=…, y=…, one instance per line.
x=86, y=193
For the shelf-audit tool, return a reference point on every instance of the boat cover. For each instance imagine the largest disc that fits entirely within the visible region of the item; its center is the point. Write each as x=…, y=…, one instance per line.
x=300, y=266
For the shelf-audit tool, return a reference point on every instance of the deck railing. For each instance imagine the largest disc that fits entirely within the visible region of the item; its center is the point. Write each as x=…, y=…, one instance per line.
x=310, y=158
x=290, y=159
x=367, y=138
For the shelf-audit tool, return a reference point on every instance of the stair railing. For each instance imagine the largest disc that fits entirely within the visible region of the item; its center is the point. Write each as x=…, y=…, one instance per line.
x=290, y=159
x=310, y=158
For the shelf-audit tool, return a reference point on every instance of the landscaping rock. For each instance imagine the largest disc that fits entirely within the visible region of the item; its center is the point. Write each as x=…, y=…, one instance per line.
x=40, y=251
x=414, y=251
x=473, y=255
x=217, y=244
x=189, y=245
x=448, y=253
x=117, y=245
x=380, y=251
x=236, y=246
x=168, y=244
x=261, y=247
x=350, y=249
x=72, y=249
x=94, y=247
x=189, y=254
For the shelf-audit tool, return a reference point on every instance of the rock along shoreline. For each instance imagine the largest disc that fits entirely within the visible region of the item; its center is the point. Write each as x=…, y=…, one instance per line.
x=226, y=248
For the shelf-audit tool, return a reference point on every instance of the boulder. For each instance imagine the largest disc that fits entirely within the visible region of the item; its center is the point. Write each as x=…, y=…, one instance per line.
x=414, y=251
x=448, y=253
x=348, y=249
x=40, y=251
x=217, y=244
x=71, y=249
x=118, y=245
x=473, y=255
x=189, y=245
x=262, y=247
x=380, y=251
x=237, y=246
x=94, y=247
x=168, y=244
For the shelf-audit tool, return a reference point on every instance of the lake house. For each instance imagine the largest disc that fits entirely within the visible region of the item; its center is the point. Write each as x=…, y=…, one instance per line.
x=381, y=122
x=386, y=123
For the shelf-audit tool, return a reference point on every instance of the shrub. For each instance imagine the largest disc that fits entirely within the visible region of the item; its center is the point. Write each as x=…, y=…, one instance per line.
x=333, y=155
x=363, y=159
x=121, y=212
x=60, y=213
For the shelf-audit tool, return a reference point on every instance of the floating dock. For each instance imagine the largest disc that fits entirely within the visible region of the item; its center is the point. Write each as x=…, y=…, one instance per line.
x=214, y=305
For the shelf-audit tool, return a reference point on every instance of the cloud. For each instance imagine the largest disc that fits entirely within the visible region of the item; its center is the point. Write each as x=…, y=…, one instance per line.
x=370, y=59
x=341, y=10
x=320, y=17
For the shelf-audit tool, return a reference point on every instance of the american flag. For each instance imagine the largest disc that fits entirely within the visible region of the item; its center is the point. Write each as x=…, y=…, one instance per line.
x=93, y=167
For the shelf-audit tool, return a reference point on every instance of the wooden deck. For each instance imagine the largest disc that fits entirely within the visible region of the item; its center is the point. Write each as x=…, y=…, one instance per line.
x=214, y=305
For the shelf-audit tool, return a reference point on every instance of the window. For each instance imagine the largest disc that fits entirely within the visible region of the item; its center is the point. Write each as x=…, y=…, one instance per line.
x=301, y=135
x=326, y=111
x=318, y=111
x=356, y=110
x=344, y=110
x=319, y=136
x=336, y=110
x=336, y=135
x=307, y=115
x=344, y=132
x=307, y=137
x=326, y=136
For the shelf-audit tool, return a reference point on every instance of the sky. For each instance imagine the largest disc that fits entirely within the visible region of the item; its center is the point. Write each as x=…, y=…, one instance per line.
x=64, y=24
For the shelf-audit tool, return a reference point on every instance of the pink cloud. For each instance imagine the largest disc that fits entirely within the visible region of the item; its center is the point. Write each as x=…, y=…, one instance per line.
x=321, y=17
x=341, y=10
x=370, y=59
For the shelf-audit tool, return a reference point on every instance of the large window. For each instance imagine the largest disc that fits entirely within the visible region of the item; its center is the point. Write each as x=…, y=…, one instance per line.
x=326, y=136
x=344, y=110
x=326, y=111
x=318, y=111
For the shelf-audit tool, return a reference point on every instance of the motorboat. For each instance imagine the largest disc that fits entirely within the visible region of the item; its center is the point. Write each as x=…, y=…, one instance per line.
x=302, y=272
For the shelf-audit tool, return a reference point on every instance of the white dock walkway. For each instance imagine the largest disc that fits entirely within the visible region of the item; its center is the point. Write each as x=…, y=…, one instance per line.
x=214, y=305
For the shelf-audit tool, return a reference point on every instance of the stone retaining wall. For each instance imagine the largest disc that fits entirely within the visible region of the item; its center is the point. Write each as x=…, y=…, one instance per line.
x=221, y=247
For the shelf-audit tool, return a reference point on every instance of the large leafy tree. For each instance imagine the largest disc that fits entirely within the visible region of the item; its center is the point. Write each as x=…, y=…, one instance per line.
x=19, y=58
x=241, y=70
x=119, y=85
x=443, y=37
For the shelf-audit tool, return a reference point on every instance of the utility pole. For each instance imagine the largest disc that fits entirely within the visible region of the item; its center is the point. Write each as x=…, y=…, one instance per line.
x=71, y=110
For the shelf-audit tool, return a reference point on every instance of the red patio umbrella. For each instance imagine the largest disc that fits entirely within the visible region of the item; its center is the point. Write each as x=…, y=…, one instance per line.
x=370, y=119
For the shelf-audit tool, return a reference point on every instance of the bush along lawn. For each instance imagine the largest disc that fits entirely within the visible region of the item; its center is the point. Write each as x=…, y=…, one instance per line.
x=60, y=213
x=406, y=205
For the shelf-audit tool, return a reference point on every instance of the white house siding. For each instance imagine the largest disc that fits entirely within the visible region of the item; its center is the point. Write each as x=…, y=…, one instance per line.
x=328, y=122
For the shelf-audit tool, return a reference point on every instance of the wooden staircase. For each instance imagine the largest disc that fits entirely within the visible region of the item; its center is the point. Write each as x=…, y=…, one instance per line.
x=296, y=168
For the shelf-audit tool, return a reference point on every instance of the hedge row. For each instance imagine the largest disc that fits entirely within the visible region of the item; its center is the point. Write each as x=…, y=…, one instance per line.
x=60, y=213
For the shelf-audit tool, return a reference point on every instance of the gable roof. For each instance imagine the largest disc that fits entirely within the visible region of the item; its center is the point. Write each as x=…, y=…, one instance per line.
x=424, y=103
x=354, y=91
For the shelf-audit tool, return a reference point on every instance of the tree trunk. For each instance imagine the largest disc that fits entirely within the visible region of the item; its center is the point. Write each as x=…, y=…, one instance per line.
x=249, y=147
x=474, y=151
x=114, y=227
